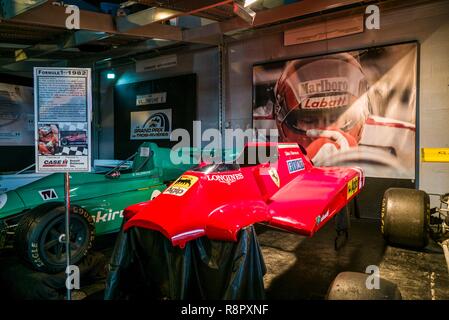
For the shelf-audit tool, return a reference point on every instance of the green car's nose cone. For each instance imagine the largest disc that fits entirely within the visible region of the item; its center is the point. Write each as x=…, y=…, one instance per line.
x=10, y=203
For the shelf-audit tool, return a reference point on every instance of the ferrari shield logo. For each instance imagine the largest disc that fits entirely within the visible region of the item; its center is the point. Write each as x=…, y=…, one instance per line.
x=274, y=176
x=180, y=186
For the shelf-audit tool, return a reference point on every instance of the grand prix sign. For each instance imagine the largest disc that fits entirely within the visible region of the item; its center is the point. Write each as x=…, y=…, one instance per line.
x=151, y=125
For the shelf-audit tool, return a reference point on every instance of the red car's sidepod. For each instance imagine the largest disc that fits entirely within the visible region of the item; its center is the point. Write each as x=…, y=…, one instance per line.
x=219, y=200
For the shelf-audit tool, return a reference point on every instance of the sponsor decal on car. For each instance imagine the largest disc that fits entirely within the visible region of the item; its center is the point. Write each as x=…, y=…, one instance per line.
x=353, y=186
x=3, y=199
x=180, y=186
x=274, y=176
x=49, y=194
x=225, y=178
x=107, y=216
x=295, y=165
x=322, y=217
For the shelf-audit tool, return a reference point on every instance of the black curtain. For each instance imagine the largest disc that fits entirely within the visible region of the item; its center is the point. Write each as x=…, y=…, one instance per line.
x=145, y=265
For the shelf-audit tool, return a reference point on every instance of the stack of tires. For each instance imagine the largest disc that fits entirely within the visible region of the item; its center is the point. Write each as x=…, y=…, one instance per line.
x=405, y=217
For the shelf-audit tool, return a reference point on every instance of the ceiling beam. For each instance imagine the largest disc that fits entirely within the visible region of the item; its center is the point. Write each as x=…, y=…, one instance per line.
x=214, y=31
x=40, y=50
x=54, y=16
x=50, y=15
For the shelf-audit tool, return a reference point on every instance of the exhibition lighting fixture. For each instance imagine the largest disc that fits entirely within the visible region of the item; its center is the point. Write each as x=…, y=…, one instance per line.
x=110, y=75
x=244, y=12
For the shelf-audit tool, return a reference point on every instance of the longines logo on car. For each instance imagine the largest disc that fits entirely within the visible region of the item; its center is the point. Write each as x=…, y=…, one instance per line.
x=225, y=178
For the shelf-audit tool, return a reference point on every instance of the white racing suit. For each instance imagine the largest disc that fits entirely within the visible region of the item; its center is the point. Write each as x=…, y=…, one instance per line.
x=386, y=148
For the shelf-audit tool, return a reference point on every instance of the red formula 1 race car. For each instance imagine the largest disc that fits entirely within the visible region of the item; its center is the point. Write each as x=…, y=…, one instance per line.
x=197, y=239
x=218, y=200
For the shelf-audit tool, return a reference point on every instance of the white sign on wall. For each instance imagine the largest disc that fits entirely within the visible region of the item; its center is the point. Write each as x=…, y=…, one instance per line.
x=331, y=29
x=63, y=104
x=151, y=125
x=157, y=63
x=152, y=98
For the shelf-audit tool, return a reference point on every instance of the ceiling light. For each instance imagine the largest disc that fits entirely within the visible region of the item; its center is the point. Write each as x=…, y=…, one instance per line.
x=245, y=13
x=247, y=3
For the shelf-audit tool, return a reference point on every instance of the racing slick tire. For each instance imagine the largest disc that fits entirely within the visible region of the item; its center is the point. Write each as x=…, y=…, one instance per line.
x=405, y=217
x=38, y=237
x=353, y=286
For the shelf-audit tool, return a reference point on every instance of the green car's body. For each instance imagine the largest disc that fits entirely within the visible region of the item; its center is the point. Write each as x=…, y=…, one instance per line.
x=103, y=196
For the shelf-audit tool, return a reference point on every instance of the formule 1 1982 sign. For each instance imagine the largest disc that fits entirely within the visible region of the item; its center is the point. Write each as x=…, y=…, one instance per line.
x=63, y=104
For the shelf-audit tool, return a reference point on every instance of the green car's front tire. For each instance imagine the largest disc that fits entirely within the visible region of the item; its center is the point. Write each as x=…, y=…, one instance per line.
x=38, y=237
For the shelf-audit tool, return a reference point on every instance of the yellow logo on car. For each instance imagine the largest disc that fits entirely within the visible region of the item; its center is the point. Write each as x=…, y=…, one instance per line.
x=180, y=186
x=353, y=186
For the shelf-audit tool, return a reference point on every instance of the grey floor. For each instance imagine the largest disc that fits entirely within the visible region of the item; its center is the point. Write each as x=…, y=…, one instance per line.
x=303, y=268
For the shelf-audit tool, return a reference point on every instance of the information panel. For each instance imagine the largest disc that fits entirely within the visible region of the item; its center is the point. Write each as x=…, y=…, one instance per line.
x=16, y=115
x=63, y=104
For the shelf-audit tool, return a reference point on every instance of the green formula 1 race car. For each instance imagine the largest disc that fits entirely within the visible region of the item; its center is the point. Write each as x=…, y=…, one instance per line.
x=32, y=216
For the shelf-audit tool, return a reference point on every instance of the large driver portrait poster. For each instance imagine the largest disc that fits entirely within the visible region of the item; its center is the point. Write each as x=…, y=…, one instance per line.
x=355, y=108
x=63, y=104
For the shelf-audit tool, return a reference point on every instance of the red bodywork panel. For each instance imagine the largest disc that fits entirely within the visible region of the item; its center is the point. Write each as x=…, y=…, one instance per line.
x=289, y=193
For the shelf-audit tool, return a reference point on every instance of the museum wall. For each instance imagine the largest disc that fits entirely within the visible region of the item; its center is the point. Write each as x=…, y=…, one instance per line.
x=428, y=24
x=202, y=62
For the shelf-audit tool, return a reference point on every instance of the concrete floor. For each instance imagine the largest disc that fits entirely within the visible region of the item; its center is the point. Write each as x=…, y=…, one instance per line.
x=303, y=268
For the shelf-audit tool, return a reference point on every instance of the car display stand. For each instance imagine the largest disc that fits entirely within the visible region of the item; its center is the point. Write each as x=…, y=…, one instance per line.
x=145, y=265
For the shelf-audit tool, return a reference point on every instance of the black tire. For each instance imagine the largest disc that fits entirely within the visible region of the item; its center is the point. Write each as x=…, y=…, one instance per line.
x=405, y=217
x=352, y=286
x=38, y=232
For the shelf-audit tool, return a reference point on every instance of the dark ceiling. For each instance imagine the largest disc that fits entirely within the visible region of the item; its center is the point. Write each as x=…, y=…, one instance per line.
x=38, y=35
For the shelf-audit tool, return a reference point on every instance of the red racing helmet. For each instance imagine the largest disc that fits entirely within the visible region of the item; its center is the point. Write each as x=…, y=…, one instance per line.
x=321, y=93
